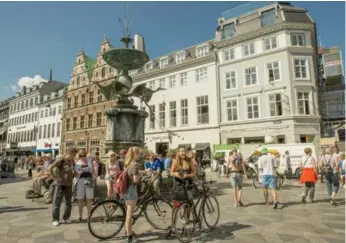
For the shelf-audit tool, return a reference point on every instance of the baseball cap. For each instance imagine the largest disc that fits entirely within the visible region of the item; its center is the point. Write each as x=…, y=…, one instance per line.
x=264, y=150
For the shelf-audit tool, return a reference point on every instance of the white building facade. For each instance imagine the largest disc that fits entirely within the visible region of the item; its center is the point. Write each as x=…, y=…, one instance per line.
x=50, y=122
x=267, y=77
x=185, y=112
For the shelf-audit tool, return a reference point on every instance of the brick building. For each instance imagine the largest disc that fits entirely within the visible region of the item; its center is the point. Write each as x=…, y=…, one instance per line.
x=84, y=123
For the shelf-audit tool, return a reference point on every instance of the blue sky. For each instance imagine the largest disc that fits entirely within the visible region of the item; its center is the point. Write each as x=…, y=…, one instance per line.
x=37, y=36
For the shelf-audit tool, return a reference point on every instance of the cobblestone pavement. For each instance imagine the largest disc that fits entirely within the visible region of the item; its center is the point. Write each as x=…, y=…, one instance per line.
x=24, y=221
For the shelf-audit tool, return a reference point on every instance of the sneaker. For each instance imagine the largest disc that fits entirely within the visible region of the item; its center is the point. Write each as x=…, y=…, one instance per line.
x=132, y=239
x=67, y=221
x=332, y=202
x=303, y=199
x=275, y=205
x=56, y=223
x=310, y=201
x=241, y=204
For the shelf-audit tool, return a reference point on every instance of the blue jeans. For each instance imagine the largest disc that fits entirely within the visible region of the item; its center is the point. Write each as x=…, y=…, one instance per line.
x=269, y=181
x=332, y=184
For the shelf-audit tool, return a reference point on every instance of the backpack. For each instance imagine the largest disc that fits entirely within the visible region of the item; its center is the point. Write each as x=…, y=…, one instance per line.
x=121, y=184
x=237, y=160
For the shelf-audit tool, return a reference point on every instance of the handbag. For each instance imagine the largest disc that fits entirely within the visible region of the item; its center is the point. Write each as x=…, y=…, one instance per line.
x=89, y=183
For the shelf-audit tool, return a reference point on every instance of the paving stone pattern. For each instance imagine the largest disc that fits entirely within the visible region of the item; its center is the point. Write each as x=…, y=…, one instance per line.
x=24, y=221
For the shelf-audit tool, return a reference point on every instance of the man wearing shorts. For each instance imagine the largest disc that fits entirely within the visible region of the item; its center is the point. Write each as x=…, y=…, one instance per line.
x=266, y=166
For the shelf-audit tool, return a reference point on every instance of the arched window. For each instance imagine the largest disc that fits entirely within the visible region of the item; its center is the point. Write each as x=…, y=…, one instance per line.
x=18, y=106
x=26, y=104
x=78, y=81
x=22, y=105
x=103, y=72
x=110, y=69
x=31, y=102
x=36, y=101
x=96, y=74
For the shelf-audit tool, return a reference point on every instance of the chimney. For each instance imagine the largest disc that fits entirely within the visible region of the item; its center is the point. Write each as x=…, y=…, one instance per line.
x=24, y=90
x=50, y=75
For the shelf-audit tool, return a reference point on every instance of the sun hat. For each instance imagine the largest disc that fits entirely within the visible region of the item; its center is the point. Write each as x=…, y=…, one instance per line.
x=264, y=150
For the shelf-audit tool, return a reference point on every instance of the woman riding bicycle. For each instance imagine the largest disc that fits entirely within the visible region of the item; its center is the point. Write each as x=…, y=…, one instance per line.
x=182, y=168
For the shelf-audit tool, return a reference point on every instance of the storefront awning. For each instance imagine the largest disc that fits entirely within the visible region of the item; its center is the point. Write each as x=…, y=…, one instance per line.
x=43, y=150
x=185, y=146
x=201, y=146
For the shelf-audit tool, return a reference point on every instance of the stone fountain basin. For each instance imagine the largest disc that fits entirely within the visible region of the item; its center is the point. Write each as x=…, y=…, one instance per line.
x=125, y=59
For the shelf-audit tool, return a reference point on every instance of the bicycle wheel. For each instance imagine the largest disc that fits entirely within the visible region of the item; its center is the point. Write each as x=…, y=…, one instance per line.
x=184, y=215
x=211, y=206
x=158, y=212
x=114, y=214
x=255, y=181
x=278, y=183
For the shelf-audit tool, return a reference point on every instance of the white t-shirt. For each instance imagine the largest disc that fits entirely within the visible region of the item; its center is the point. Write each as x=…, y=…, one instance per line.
x=267, y=163
x=308, y=161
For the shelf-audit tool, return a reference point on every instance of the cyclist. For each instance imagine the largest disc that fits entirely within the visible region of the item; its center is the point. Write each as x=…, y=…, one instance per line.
x=153, y=168
x=182, y=168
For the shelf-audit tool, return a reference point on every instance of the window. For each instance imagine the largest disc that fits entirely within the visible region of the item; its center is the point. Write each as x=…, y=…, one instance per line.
x=202, y=110
x=303, y=103
x=83, y=100
x=41, y=114
x=300, y=68
x=74, y=124
x=230, y=79
x=183, y=79
x=60, y=109
x=298, y=39
x=50, y=112
x=98, y=118
x=268, y=17
x=163, y=62
x=270, y=43
x=26, y=104
x=180, y=57
x=149, y=67
x=58, y=126
x=31, y=102
x=162, y=115
x=99, y=96
x=78, y=81
x=201, y=74
x=46, y=112
x=275, y=105
x=40, y=132
x=273, y=71
x=48, y=131
x=172, y=114
x=232, y=110
x=91, y=97
x=53, y=130
x=45, y=131
x=68, y=103
x=184, y=112
x=75, y=101
x=152, y=117
x=172, y=81
x=90, y=120
x=152, y=85
x=228, y=55
x=228, y=31
x=103, y=72
x=162, y=83
x=81, y=122
x=249, y=49
x=251, y=76
x=252, y=107
x=54, y=111
x=202, y=51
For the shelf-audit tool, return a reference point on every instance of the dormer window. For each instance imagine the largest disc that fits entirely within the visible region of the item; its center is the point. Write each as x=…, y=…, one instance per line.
x=202, y=51
x=45, y=97
x=149, y=67
x=180, y=57
x=228, y=30
x=163, y=62
x=268, y=17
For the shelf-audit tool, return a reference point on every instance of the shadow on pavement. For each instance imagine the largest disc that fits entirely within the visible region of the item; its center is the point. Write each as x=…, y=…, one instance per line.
x=19, y=209
x=14, y=180
x=255, y=204
x=3, y=198
x=285, y=186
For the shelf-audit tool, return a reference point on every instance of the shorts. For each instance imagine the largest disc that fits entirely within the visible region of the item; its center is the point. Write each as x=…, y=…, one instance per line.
x=269, y=181
x=131, y=194
x=236, y=180
x=83, y=192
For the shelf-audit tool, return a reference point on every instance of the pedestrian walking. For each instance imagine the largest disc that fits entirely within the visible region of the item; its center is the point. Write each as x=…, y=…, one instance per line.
x=267, y=168
x=342, y=169
x=62, y=171
x=308, y=166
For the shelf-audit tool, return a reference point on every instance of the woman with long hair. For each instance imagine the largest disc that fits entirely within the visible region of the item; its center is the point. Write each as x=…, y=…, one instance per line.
x=85, y=172
x=308, y=166
x=132, y=167
x=112, y=170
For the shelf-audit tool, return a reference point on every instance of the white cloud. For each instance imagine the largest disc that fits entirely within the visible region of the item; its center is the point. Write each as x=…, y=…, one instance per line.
x=28, y=82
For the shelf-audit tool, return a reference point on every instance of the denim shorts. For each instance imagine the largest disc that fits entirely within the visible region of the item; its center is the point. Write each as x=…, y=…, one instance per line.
x=269, y=181
x=132, y=193
x=236, y=180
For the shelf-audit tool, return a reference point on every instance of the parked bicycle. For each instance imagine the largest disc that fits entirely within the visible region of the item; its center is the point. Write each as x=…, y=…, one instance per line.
x=185, y=211
x=149, y=204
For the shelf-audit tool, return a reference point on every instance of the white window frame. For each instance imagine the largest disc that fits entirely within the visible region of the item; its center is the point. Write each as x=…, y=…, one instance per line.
x=162, y=115
x=162, y=83
x=173, y=109
x=183, y=79
x=201, y=74
x=152, y=120
x=164, y=62
x=149, y=67
x=258, y=104
x=152, y=85
x=272, y=68
x=295, y=36
x=202, y=51
x=274, y=102
x=172, y=81
x=247, y=47
x=229, y=78
x=227, y=109
x=229, y=55
x=184, y=119
x=271, y=41
x=304, y=100
x=180, y=57
x=306, y=60
x=246, y=73
x=200, y=115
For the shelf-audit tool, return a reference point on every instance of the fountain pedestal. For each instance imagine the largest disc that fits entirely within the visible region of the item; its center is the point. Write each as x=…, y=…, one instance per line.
x=125, y=127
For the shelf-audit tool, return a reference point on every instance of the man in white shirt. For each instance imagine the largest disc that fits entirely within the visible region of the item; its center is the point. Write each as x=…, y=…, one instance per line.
x=266, y=166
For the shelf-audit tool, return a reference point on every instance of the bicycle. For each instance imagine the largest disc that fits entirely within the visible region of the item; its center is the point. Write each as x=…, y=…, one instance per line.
x=187, y=208
x=112, y=206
